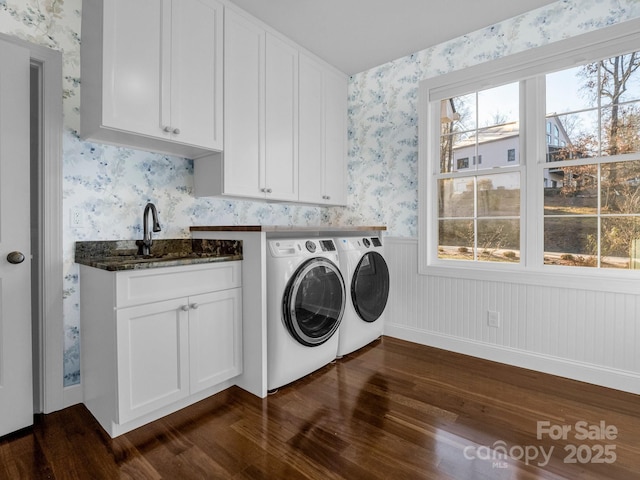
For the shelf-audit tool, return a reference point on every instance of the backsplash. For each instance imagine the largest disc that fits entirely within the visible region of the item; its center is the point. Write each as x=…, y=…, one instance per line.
x=112, y=185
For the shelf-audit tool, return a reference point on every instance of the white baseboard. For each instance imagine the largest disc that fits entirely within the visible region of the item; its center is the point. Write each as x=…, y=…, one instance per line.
x=584, y=372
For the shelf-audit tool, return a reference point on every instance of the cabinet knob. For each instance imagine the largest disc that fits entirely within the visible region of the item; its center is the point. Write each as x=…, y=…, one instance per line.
x=167, y=129
x=269, y=190
x=185, y=308
x=194, y=306
x=176, y=131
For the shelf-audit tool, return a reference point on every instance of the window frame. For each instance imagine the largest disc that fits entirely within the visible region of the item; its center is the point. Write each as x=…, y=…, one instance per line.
x=527, y=67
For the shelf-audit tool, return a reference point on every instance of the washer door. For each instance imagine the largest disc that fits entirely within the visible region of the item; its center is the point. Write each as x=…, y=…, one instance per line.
x=314, y=301
x=370, y=286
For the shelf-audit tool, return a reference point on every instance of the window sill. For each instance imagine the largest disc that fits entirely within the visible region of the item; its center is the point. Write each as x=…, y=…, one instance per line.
x=580, y=278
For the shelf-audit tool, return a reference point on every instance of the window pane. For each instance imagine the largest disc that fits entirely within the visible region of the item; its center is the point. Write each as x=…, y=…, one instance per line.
x=620, y=188
x=454, y=147
x=496, y=112
x=570, y=241
x=494, y=144
x=619, y=79
x=566, y=91
x=455, y=239
x=499, y=195
x=499, y=240
x=621, y=129
x=577, y=136
x=571, y=190
x=620, y=242
x=465, y=108
x=455, y=197
x=499, y=106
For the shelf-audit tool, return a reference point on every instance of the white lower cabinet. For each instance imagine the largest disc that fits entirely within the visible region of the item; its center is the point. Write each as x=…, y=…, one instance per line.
x=143, y=361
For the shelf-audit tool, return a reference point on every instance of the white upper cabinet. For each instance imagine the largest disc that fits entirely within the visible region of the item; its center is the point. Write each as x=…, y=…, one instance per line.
x=242, y=173
x=260, y=158
x=281, y=108
x=285, y=122
x=152, y=74
x=323, y=134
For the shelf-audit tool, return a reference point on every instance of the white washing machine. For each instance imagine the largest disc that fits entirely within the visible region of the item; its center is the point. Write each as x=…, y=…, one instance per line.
x=306, y=298
x=366, y=276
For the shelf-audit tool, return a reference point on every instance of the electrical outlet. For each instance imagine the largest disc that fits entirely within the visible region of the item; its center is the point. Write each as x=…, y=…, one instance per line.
x=493, y=318
x=76, y=218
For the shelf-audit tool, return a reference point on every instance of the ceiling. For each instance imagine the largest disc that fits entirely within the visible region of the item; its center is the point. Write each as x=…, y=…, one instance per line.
x=356, y=35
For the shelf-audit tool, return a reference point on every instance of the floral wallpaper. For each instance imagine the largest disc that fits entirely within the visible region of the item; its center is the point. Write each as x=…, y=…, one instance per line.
x=112, y=185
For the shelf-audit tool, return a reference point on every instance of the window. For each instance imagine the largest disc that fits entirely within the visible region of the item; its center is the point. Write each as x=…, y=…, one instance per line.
x=463, y=163
x=566, y=196
x=597, y=172
x=479, y=209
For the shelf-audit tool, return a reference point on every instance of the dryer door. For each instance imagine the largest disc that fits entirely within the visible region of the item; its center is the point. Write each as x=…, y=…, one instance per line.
x=314, y=302
x=370, y=286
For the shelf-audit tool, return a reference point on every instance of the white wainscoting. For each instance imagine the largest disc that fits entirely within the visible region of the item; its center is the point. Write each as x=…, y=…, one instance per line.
x=584, y=335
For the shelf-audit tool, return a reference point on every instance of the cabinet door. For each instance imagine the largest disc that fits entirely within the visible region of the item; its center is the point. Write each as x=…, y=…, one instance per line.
x=335, y=89
x=153, y=357
x=323, y=134
x=281, y=147
x=195, y=115
x=215, y=333
x=244, y=133
x=132, y=66
x=311, y=146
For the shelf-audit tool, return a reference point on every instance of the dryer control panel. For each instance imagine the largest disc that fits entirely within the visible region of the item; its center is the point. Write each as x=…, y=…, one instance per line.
x=291, y=247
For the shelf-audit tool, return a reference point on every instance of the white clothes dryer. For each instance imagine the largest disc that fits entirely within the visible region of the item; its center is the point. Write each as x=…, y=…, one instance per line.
x=306, y=298
x=366, y=277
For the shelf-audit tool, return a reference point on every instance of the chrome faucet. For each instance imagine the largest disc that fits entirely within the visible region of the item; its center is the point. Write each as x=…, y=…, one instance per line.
x=147, y=240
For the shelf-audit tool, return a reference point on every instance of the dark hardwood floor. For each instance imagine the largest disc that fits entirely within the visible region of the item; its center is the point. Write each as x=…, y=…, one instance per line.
x=393, y=410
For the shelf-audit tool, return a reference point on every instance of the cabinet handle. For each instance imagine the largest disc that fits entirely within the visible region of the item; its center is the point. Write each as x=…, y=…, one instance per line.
x=185, y=308
x=194, y=306
x=167, y=129
x=269, y=190
x=176, y=131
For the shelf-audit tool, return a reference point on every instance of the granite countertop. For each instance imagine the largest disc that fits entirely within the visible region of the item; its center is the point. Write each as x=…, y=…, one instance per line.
x=288, y=228
x=119, y=255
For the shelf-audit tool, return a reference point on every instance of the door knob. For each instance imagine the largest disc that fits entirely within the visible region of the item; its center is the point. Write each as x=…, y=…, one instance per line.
x=15, y=257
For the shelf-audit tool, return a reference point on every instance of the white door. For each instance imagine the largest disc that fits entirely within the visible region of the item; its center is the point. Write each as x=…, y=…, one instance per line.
x=336, y=138
x=16, y=398
x=215, y=338
x=196, y=73
x=244, y=60
x=311, y=138
x=281, y=124
x=133, y=91
x=153, y=357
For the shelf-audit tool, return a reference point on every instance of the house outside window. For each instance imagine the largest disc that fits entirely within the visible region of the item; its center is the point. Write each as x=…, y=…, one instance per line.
x=572, y=137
